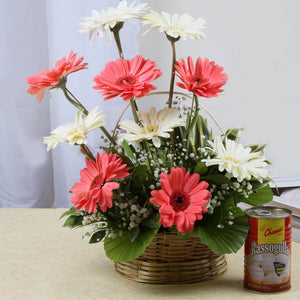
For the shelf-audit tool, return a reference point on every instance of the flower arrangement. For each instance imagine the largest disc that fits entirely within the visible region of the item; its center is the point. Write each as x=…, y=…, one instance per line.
x=164, y=170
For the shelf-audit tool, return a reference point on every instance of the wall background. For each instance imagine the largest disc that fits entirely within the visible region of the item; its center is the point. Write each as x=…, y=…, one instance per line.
x=258, y=44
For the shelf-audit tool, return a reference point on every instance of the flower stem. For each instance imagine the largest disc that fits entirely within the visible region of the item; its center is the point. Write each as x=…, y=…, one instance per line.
x=85, y=149
x=76, y=99
x=110, y=138
x=172, y=81
x=77, y=104
x=116, y=33
x=193, y=117
x=134, y=110
x=80, y=107
x=196, y=112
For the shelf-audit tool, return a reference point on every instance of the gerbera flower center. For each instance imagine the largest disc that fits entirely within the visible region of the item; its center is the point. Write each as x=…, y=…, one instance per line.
x=151, y=128
x=232, y=159
x=75, y=134
x=174, y=29
x=97, y=182
x=179, y=201
x=126, y=80
x=197, y=79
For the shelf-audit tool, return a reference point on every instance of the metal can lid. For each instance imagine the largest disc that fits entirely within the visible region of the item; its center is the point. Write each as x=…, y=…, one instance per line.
x=268, y=212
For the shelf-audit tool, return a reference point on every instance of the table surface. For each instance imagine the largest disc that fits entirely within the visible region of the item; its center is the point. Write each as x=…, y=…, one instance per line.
x=39, y=259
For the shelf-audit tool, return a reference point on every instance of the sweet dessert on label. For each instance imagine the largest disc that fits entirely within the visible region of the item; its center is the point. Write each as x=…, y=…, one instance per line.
x=268, y=268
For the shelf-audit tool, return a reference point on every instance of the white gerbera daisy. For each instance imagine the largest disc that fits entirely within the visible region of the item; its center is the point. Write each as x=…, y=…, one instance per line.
x=175, y=26
x=104, y=21
x=152, y=126
x=76, y=132
x=237, y=160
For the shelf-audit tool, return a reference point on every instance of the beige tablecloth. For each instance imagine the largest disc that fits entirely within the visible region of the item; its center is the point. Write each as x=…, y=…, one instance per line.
x=41, y=260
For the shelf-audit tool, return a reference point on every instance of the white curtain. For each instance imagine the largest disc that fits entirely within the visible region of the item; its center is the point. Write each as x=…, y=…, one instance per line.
x=35, y=34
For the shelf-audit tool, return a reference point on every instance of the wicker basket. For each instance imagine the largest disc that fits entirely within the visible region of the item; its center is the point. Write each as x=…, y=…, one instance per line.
x=170, y=259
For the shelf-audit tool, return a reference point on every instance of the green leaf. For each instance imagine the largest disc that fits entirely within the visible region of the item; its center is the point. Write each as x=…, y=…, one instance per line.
x=73, y=221
x=200, y=168
x=256, y=148
x=97, y=236
x=140, y=173
x=121, y=249
x=217, y=179
x=232, y=133
x=224, y=240
x=152, y=222
x=133, y=234
x=71, y=211
x=128, y=150
x=259, y=197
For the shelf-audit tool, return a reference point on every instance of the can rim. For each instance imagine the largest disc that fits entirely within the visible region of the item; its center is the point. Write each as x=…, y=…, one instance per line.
x=266, y=212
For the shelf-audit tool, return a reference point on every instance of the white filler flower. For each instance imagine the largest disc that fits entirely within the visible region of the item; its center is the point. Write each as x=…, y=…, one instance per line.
x=104, y=21
x=175, y=26
x=152, y=126
x=237, y=160
x=75, y=132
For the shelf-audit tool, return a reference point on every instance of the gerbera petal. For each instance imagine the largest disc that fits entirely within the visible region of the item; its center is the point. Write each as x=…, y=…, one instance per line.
x=204, y=79
x=182, y=199
x=48, y=79
x=152, y=126
x=127, y=78
x=95, y=186
x=237, y=160
x=175, y=26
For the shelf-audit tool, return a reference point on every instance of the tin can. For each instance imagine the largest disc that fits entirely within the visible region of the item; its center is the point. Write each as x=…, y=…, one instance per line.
x=267, y=267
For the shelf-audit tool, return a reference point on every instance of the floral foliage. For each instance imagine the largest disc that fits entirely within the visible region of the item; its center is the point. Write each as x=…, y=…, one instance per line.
x=163, y=169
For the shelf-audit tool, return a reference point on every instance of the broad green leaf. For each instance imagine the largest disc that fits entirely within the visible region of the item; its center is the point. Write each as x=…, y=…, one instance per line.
x=216, y=232
x=259, y=197
x=121, y=249
x=97, y=236
x=217, y=179
x=152, y=222
x=73, y=221
x=224, y=240
x=133, y=234
x=71, y=211
x=200, y=168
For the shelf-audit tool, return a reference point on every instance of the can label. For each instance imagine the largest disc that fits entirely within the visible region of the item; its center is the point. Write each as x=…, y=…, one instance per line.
x=268, y=254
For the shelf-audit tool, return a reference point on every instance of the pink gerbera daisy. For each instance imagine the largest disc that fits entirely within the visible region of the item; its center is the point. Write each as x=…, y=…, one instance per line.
x=127, y=78
x=95, y=186
x=182, y=199
x=49, y=78
x=205, y=79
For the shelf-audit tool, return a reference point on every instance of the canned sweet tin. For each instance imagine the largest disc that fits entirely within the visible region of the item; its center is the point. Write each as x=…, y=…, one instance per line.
x=268, y=249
